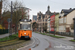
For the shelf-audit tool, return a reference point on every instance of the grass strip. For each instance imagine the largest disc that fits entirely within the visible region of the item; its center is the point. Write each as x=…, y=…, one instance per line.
x=9, y=38
x=14, y=40
x=11, y=43
x=72, y=40
x=52, y=35
x=36, y=32
x=43, y=33
x=56, y=36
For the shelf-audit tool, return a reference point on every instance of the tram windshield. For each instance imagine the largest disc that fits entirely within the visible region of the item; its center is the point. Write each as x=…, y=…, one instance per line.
x=25, y=26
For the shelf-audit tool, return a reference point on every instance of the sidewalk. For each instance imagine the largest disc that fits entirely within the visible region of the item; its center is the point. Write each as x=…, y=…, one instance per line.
x=66, y=37
x=5, y=35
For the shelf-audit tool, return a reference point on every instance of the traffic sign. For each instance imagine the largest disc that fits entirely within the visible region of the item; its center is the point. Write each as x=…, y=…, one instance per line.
x=9, y=20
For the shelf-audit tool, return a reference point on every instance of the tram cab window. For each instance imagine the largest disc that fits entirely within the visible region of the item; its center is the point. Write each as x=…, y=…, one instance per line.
x=25, y=26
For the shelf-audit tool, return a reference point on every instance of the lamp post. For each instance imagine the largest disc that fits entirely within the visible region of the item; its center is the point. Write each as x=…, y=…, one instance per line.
x=49, y=25
x=74, y=27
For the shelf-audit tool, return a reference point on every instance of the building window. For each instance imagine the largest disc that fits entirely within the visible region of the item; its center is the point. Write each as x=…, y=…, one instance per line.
x=43, y=23
x=46, y=20
x=61, y=28
x=64, y=19
x=43, y=19
x=46, y=16
x=61, y=20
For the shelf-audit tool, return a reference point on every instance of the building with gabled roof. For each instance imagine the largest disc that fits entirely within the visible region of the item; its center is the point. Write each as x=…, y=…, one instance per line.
x=42, y=20
x=66, y=19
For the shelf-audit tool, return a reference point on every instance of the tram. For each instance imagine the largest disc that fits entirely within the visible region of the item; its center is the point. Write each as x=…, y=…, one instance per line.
x=25, y=29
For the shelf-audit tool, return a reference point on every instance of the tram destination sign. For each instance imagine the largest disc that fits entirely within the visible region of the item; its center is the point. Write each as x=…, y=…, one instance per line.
x=25, y=22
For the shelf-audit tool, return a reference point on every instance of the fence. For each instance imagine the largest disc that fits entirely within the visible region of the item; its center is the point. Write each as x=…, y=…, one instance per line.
x=66, y=33
x=63, y=33
x=3, y=31
x=52, y=31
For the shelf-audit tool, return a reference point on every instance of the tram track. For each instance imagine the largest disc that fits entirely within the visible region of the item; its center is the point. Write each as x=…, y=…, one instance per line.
x=37, y=42
x=18, y=44
x=13, y=44
x=34, y=44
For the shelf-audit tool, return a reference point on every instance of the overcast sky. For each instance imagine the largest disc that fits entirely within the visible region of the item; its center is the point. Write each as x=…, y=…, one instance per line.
x=41, y=5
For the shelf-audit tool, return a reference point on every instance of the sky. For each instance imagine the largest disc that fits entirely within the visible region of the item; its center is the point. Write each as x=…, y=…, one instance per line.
x=41, y=5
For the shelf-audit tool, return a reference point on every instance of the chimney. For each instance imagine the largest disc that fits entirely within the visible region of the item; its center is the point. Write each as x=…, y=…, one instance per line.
x=70, y=8
x=54, y=12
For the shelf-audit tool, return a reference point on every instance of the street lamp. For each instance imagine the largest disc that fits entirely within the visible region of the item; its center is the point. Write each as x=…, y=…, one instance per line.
x=74, y=27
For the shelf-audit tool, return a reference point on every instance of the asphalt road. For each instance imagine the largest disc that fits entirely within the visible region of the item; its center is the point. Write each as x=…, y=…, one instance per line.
x=43, y=42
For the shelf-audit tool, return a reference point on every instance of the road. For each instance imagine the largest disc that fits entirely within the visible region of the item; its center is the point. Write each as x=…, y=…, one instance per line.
x=43, y=42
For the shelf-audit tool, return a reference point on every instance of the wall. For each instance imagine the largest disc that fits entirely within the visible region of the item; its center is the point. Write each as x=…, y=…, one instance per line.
x=57, y=22
x=61, y=20
x=52, y=22
x=70, y=17
x=62, y=28
x=48, y=25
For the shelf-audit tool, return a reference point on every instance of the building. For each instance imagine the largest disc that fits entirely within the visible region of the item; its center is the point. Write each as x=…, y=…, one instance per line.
x=42, y=20
x=66, y=19
x=57, y=22
x=48, y=25
x=34, y=18
x=52, y=23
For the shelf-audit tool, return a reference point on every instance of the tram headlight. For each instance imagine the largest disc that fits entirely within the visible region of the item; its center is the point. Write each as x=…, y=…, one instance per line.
x=28, y=28
x=25, y=20
x=25, y=33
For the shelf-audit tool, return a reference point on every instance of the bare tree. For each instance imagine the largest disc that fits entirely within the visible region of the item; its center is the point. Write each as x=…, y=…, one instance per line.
x=35, y=26
x=17, y=13
x=5, y=5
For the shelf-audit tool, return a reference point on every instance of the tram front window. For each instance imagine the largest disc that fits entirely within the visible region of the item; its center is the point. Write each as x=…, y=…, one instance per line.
x=25, y=26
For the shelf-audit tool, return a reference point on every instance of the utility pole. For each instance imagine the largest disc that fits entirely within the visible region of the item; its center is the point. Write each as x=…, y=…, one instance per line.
x=0, y=10
x=49, y=25
x=11, y=21
x=74, y=27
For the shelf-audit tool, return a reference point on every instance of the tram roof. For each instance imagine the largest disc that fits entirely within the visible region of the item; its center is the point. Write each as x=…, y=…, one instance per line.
x=25, y=20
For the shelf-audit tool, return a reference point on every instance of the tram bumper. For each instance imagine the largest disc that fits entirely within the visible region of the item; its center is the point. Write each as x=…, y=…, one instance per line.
x=24, y=36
